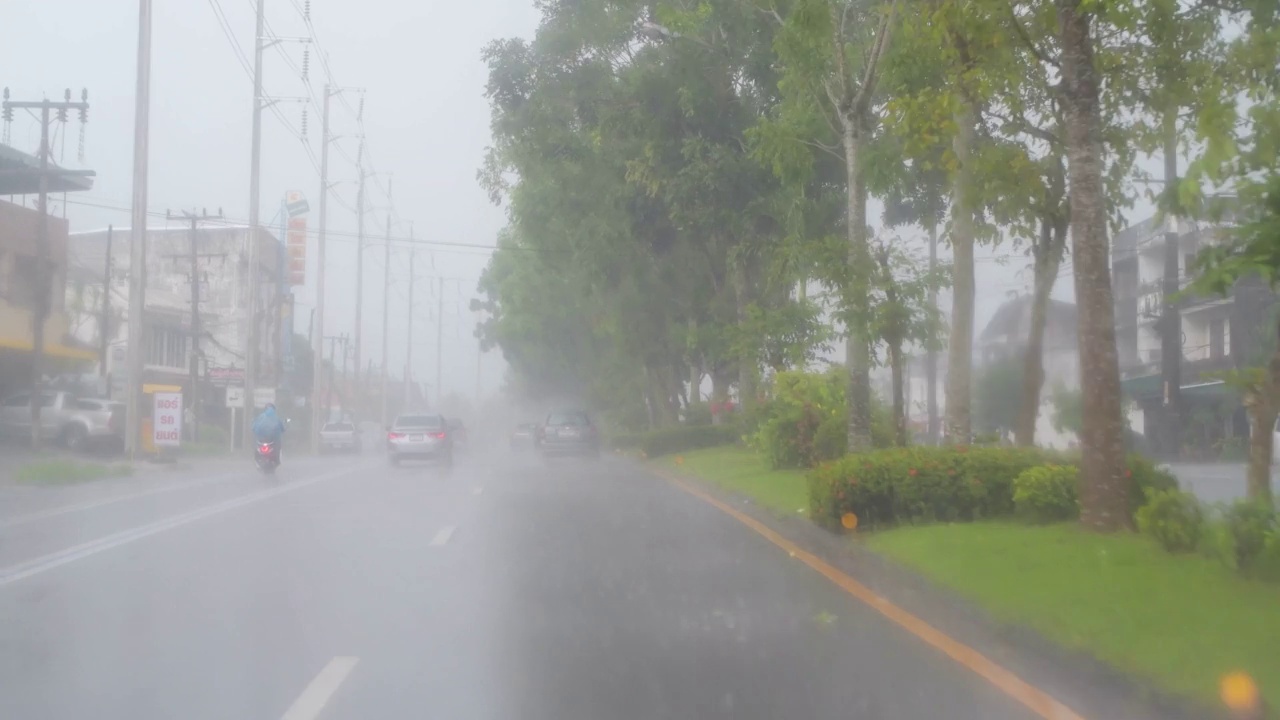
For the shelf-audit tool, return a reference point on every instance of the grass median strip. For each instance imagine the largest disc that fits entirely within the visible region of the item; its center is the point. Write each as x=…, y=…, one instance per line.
x=69, y=472
x=1182, y=621
x=742, y=470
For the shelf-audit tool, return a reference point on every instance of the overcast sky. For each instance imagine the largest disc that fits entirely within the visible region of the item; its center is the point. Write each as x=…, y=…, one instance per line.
x=426, y=126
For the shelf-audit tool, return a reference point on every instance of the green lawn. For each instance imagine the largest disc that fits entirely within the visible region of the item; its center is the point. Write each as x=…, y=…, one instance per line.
x=1181, y=621
x=68, y=472
x=742, y=470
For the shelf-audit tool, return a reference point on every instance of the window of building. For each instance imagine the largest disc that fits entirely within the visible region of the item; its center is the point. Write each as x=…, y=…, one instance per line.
x=168, y=348
x=1217, y=338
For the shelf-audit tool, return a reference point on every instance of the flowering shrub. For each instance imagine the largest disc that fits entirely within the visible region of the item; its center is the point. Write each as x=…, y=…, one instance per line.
x=803, y=423
x=933, y=484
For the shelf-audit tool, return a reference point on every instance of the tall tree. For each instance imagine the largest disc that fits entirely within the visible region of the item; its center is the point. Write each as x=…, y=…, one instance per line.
x=1104, y=490
x=831, y=52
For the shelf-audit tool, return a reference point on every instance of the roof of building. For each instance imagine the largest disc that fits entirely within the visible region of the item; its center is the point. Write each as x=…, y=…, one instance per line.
x=20, y=175
x=1013, y=319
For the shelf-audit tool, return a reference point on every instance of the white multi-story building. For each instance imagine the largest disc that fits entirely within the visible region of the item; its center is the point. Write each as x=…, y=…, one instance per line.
x=221, y=262
x=1218, y=332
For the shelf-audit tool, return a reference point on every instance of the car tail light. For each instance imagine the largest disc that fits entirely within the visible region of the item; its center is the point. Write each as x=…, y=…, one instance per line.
x=438, y=435
x=394, y=435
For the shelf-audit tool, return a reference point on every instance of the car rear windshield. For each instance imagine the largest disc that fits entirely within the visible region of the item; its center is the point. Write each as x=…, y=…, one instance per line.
x=340, y=427
x=570, y=419
x=420, y=421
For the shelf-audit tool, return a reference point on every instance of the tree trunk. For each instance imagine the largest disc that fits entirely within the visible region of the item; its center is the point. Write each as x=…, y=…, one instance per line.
x=858, y=343
x=931, y=353
x=960, y=351
x=1263, y=407
x=1048, y=257
x=899, y=402
x=719, y=393
x=748, y=363
x=1262, y=418
x=695, y=366
x=1104, y=489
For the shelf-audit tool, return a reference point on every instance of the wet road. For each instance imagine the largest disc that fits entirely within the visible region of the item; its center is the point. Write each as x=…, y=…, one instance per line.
x=506, y=588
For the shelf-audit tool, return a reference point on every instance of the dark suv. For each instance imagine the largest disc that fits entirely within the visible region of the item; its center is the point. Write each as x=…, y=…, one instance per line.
x=568, y=433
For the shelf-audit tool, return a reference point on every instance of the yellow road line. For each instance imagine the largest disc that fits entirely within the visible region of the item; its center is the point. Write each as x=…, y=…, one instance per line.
x=1035, y=699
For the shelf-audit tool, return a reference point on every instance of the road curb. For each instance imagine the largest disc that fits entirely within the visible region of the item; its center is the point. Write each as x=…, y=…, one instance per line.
x=1049, y=677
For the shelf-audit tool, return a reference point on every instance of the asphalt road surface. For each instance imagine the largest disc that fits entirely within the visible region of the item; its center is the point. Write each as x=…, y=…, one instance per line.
x=505, y=589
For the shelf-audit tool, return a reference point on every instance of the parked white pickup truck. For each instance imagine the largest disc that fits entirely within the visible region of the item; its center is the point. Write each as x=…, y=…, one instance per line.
x=77, y=423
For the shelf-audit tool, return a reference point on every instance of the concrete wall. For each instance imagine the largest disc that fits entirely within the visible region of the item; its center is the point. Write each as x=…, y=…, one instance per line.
x=19, y=230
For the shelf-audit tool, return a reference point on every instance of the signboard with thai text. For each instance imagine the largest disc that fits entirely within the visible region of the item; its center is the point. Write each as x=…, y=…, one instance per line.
x=166, y=420
x=297, y=247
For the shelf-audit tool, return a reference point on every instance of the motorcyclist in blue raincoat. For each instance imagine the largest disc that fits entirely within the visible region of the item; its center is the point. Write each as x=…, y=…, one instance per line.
x=267, y=427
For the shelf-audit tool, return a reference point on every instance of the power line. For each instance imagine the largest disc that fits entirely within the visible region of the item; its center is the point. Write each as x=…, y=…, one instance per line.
x=442, y=245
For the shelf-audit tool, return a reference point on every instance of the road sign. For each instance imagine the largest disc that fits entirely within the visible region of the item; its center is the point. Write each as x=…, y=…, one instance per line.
x=166, y=425
x=263, y=396
x=235, y=397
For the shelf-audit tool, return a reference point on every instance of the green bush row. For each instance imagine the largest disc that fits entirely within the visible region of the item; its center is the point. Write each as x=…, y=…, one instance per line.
x=683, y=438
x=950, y=484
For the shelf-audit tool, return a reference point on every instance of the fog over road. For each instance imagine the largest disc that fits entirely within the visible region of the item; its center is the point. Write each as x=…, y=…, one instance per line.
x=505, y=588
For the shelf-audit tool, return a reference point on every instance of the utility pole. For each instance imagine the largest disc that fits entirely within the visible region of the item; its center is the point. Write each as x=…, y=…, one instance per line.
x=104, y=323
x=317, y=348
x=408, y=357
x=439, y=341
x=386, y=308
x=346, y=380
x=193, y=257
x=42, y=300
x=255, y=158
x=1171, y=315
x=359, y=258
x=138, y=232
x=328, y=394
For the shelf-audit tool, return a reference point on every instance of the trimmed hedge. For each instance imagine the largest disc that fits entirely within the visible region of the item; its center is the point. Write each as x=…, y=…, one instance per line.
x=683, y=438
x=938, y=484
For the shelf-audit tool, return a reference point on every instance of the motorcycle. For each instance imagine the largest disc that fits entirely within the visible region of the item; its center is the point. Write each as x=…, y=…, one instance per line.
x=266, y=457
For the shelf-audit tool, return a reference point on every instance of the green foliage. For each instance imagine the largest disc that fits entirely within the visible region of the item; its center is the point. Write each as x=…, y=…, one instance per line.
x=1047, y=493
x=997, y=395
x=1147, y=478
x=68, y=472
x=697, y=414
x=1174, y=518
x=1252, y=528
x=683, y=438
x=803, y=421
x=1068, y=413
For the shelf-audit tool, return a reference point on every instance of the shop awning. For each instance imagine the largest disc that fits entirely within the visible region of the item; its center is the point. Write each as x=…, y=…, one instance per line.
x=1152, y=386
x=52, y=349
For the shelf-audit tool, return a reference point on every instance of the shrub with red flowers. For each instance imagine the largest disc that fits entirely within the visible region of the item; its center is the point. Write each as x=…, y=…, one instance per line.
x=936, y=484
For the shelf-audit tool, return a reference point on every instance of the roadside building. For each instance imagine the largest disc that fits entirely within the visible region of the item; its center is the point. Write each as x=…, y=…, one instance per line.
x=221, y=271
x=19, y=276
x=1218, y=333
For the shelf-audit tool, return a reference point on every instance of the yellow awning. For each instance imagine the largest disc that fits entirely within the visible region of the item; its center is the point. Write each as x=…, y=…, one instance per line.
x=151, y=388
x=52, y=349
